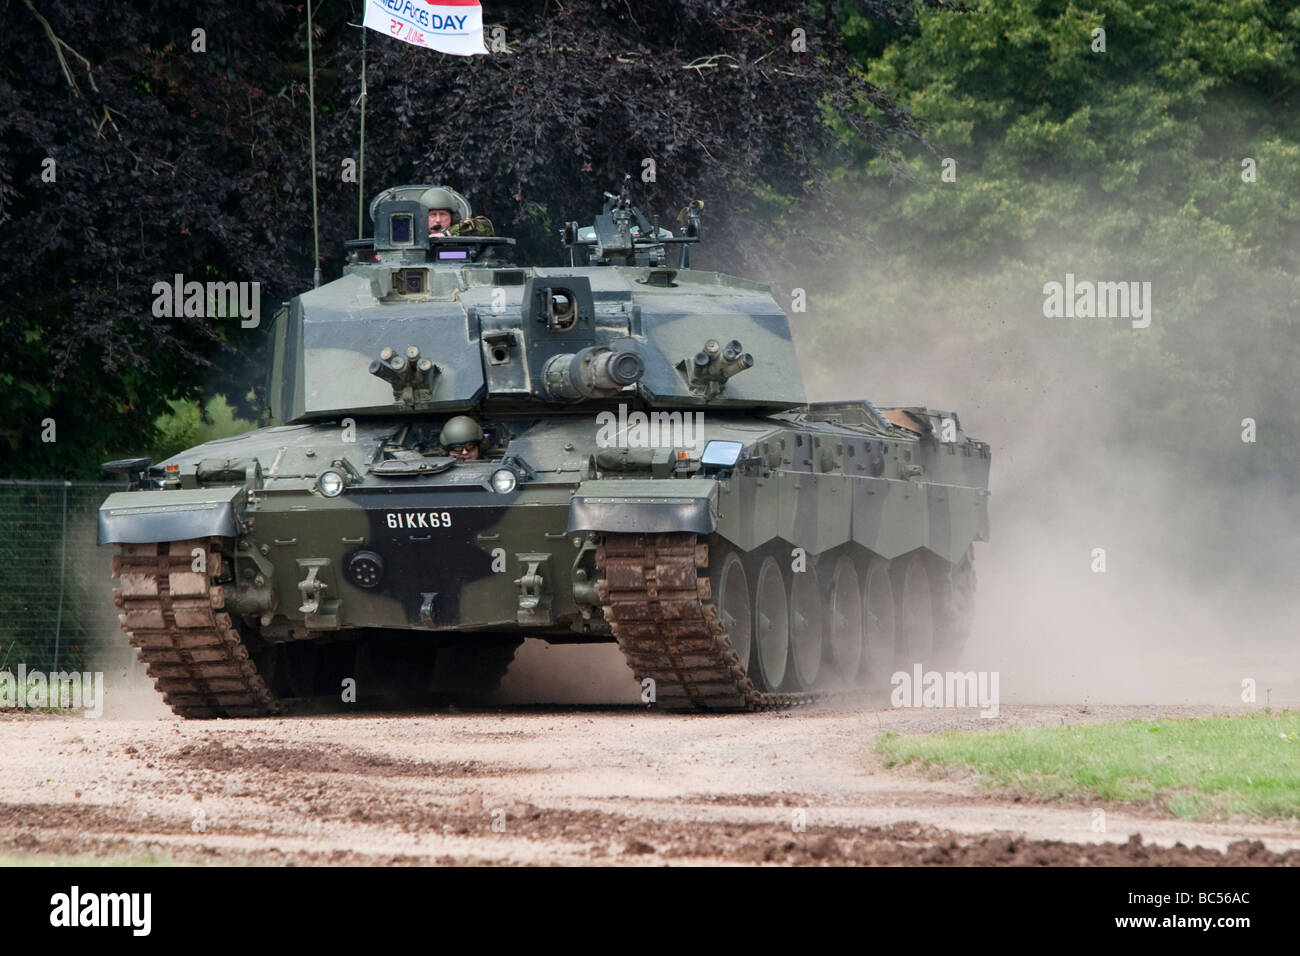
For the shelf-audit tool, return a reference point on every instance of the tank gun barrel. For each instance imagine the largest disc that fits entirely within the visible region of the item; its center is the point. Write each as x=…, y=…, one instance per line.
x=594, y=372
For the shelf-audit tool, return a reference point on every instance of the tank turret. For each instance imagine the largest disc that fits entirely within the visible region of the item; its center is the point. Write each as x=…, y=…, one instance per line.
x=489, y=332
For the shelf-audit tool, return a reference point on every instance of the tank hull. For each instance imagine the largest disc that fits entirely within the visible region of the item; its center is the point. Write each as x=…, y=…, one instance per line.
x=445, y=555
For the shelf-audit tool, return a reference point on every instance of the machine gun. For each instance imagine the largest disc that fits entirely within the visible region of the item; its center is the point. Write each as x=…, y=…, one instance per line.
x=621, y=234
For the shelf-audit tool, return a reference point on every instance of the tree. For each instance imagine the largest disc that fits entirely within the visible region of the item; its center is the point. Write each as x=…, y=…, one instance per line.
x=129, y=156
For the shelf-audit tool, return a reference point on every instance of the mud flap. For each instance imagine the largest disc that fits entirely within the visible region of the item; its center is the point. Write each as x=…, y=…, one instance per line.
x=635, y=506
x=145, y=517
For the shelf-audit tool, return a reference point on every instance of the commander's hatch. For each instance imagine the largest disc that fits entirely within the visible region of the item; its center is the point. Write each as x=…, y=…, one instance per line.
x=400, y=216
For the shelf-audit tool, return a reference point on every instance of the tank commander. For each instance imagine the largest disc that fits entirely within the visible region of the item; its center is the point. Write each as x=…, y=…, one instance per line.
x=445, y=206
x=462, y=438
x=439, y=222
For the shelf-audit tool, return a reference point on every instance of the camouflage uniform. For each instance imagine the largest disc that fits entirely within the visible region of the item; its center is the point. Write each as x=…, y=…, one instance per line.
x=477, y=226
x=464, y=222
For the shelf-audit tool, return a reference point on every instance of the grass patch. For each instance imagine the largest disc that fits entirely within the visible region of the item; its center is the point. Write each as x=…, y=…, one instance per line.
x=1195, y=768
x=9, y=698
x=10, y=693
x=141, y=859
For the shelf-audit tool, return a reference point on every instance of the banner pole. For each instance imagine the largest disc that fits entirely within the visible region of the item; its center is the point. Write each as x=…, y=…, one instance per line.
x=311, y=101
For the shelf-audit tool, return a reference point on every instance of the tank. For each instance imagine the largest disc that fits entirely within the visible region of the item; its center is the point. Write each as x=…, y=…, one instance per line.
x=467, y=451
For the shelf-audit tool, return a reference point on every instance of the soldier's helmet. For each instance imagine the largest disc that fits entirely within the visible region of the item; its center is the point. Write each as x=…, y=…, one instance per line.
x=443, y=197
x=460, y=430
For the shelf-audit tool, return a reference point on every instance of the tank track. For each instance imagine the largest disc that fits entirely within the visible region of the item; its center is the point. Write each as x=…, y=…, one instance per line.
x=191, y=648
x=657, y=606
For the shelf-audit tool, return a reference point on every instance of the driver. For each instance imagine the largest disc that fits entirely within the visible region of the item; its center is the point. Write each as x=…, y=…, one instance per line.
x=462, y=438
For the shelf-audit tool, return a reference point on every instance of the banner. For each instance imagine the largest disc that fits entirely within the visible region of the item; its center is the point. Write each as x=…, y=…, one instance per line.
x=448, y=26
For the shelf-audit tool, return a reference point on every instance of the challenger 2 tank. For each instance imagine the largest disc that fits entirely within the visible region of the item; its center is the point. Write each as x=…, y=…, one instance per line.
x=472, y=451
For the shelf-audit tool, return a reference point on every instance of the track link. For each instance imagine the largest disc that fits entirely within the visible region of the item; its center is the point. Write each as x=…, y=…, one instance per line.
x=658, y=607
x=191, y=648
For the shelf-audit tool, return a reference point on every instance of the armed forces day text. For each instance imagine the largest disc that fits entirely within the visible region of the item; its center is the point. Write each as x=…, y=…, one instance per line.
x=417, y=11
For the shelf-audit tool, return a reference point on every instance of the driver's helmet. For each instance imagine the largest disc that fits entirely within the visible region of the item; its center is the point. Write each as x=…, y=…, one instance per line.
x=460, y=430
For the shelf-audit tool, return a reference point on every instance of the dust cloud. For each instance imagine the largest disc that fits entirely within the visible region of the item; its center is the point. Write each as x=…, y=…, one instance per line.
x=1198, y=592
x=568, y=674
x=129, y=693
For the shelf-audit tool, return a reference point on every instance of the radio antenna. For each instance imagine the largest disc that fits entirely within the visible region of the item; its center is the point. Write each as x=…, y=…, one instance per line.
x=361, y=163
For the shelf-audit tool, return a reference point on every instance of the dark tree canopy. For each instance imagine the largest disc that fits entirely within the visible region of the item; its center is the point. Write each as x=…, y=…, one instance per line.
x=168, y=160
x=164, y=161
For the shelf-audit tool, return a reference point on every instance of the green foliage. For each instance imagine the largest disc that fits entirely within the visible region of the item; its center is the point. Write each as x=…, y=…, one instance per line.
x=189, y=424
x=142, y=161
x=81, y=860
x=1052, y=138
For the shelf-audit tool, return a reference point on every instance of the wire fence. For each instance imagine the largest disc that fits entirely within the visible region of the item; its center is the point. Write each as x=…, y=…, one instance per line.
x=56, y=589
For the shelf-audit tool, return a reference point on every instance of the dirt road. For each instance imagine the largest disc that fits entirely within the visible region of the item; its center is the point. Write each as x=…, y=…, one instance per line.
x=529, y=785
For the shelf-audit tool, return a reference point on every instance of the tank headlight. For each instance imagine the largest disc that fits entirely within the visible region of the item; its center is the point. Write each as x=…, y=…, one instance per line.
x=504, y=481
x=330, y=483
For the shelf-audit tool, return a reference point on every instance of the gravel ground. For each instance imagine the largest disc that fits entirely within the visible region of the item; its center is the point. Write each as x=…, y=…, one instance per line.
x=520, y=784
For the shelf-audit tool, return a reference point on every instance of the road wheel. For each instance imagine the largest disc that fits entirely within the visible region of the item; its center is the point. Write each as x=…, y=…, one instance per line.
x=845, y=619
x=913, y=611
x=730, y=588
x=807, y=627
x=771, y=626
x=954, y=604
x=879, y=625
